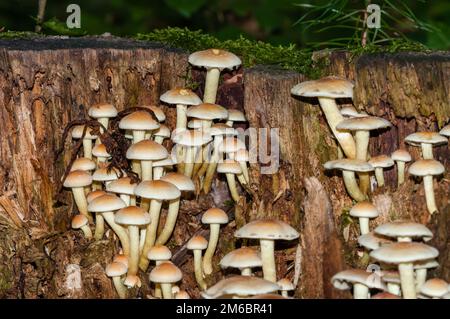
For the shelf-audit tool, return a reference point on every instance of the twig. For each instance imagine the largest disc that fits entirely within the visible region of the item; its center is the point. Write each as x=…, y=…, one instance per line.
x=40, y=15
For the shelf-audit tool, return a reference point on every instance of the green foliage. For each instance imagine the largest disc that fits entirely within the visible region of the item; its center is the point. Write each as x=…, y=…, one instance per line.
x=54, y=26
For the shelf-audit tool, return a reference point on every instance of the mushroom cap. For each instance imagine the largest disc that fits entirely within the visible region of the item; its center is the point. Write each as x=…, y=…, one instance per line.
x=197, y=243
x=180, y=96
x=267, y=229
x=77, y=132
x=404, y=252
x=99, y=150
x=231, y=145
x=222, y=129
x=181, y=181
x=351, y=111
x=243, y=257
x=106, y=174
x=381, y=161
x=285, y=284
x=132, y=215
x=191, y=137
x=426, y=264
x=366, y=123
x=122, y=186
x=347, y=164
x=391, y=276
x=385, y=295
x=372, y=241
x=268, y=296
x=79, y=221
x=182, y=294
x=236, y=116
x=207, y=111
x=159, y=252
x=83, y=164
x=132, y=280
x=157, y=111
x=404, y=229
x=78, y=178
x=163, y=131
x=147, y=150
x=101, y=110
x=240, y=285
x=116, y=269
x=425, y=137
x=215, y=216
x=426, y=167
x=229, y=166
x=330, y=86
x=401, y=155
x=364, y=209
x=106, y=203
x=241, y=155
x=214, y=58
x=94, y=194
x=445, y=131
x=166, y=162
x=342, y=279
x=139, y=121
x=166, y=272
x=195, y=124
x=157, y=189
x=119, y=258
x=435, y=288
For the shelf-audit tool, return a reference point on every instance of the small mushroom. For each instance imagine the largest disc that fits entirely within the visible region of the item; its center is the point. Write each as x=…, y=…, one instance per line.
x=385, y=295
x=81, y=222
x=182, y=294
x=147, y=151
x=244, y=259
x=161, y=134
x=102, y=112
x=77, y=181
x=378, y=163
x=404, y=231
x=77, y=133
x=435, y=288
x=116, y=270
x=360, y=279
x=159, y=253
x=235, y=116
x=102, y=155
x=139, y=123
x=83, y=164
x=401, y=157
x=364, y=211
x=445, y=131
x=422, y=270
x=285, y=286
x=372, y=241
x=240, y=286
x=426, y=140
x=197, y=244
x=125, y=188
x=427, y=168
x=182, y=98
x=166, y=274
x=231, y=168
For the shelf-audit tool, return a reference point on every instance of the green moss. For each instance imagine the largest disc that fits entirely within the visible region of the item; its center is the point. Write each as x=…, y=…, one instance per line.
x=18, y=35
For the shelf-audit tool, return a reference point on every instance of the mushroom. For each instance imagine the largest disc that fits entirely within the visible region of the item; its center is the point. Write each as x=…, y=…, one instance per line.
x=327, y=90
x=160, y=166
x=378, y=163
x=133, y=217
x=139, y=123
x=372, y=241
x=285, y=286
x=214, y=217
x=182, y=294
x=159, y=253
x=77, y=180
x=195, y=124
x=364, y=211
x=197, y=244
x=241, y=286
x=115, y=270
x=106, y=205
x=77, y=133
x=349, y=167
x=361, y=280
x=94, y=194
x=157, y=112
x=392, y=280
x=166, y=274
x=401, y=157
x=445, y=131
x=435, y=288
x=161, y=134
x=235, y=116
x=421, y=271
x=119, y=258
x=267, y=296
x=244, y=259
x=350, y=112
x=184, y=184
x=106, y=175
x=404, y=231
x=102, y=112
x=125, y=188
x=182, y=98
x=231, y=168
x=100, y=152
x=81, y=221
x=214, y=60
x=405, y=254
x=83, y=164
x=385, y=295
x=426, y=140
x=156, y=191
x=267, y=231
x=147, y=151
x=427, y=168
x=362, y=127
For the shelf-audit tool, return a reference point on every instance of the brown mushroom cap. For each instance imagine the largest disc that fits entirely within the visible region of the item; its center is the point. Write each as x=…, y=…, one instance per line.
x=78, y=178
x=425, y=167
x=214, y=58
x=147, y=150
x=122, y=185
x=366, y=123
x=197, y=243
x=101, y=110
x=445, y=131
x=94, y=194
x=372, y=241
x=162, y=131
x=83, y=164
x=330, y=86
x=180, y=96
x=215, y=216
x=181, y=181
x=425, y=137
x=243, y=257
x=404, y=229
x=99, y=150
x=79, y=221
x=401, y=155
x=285, y=284
x=157, y=111
x=116, y=269
x=159, y=252
x=367, y=278
x=166, y=272
x=132, y=215
x=139, y=120
x=404, y=252
x=157, y=189
x=385, y=295
x=106, y=174
x=207, y=111
x=106, y=203
x=364, y=209
x=267, y=229
x=236, y=116
x=229, y=166
x=77, y=132
x=381, y=161
x=192, y=138
x=347, y=164
x=435, y=288
x=240, y=285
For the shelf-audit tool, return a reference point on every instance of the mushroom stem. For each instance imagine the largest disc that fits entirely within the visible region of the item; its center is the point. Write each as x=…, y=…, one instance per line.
x=103, y=121
x=333, y=117
x=268, y=259
x=181, y=116
x=400, y=172
x=207, y=182
x=406, y=271
x=352, y=186
x=99, y=226
x=284, y=293
x=360, y=291
x=159, y=139
x=180, y=157
x=158, y=293
x=245, y=171
x=126, y=198
x=379, y=176
x=119, y=230
x=364, y=225
x=87, y=148
x=86, y=231
x=404, y=239
x=212, y=244
x=394, y=288
x=421, y=278
x=232, y=185
x=133, y=260
x=80, y=200
x=142, y=236
x=429, y=193
x=246, y=271
x=138, y=136
x=211, y=85
x=198, y=269
x=189, y=161
x=172, y=214
x=147, y=169
x=362, y=145
x=158, y=172
x=166, y=290
x=427, y=151
x=340, y=153
x=120, y=287
x=241, y=179
x=229, y=123
x=155, y=209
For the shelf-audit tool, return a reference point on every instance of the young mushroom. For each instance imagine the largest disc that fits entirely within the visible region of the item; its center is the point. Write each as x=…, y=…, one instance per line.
x=240, y=286
x=422, y=270
x=116, y=270
x=214, y=217
x=327, y=90
x=102, y=155
x=159, y=254
x=427, y=168
x=197, y=244
x=426, y=140
x=405, y=254
x=435, y=288
x=361, y=280
x=77, y=133
x=102, y=112
x=231, y=168
x=404, y=231
x=267, y=231
x=125, y=188
x=364, y=211
x=182, y=98
x=285, y=286
x=372, y=241
x=214, y=60
x=378, y=163
x=235, y=116
x=83, y=164
x=81, y=222
x=139, y=123
x=244, y=259
x=77, y=181
x=146, y=151
x=166, y=274
x=401, y=157
x=161, y=134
